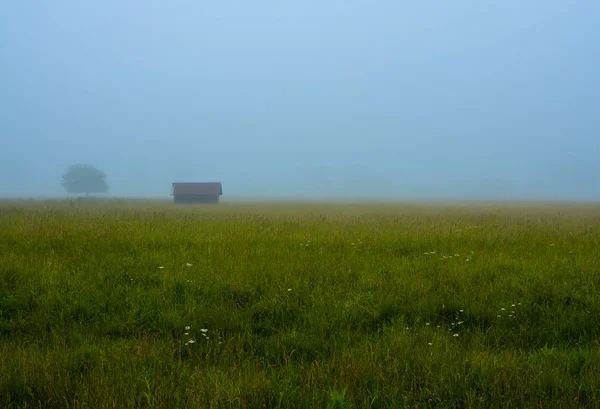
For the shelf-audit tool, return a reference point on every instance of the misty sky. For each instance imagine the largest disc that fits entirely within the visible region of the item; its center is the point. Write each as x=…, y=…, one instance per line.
x=292, y=98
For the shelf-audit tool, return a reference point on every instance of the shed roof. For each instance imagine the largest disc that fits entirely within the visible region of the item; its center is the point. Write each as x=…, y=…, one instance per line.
x=197, y=188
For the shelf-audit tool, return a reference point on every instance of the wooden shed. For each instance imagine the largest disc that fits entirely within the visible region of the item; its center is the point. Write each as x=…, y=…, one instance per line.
x=200, y=192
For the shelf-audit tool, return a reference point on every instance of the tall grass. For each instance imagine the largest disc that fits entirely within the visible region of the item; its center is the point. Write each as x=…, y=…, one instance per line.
x=313, y=305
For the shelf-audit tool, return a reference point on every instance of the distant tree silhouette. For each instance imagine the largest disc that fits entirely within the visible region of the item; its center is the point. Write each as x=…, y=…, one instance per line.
x=84, y=179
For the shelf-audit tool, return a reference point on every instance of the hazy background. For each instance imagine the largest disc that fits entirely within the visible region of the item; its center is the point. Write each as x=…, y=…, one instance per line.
x=346, y=98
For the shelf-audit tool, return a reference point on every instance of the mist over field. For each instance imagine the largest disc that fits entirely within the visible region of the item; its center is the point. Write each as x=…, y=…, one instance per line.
x=333, y=99
x=410, y=217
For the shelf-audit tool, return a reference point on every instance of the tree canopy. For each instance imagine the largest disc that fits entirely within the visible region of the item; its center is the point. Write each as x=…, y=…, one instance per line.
x=84, y=179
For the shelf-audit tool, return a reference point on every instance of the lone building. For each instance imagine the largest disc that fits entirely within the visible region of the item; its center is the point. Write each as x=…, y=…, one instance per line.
x=203, y=192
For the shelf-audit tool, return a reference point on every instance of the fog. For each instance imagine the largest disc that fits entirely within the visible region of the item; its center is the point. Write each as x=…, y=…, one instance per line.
x=385, y=99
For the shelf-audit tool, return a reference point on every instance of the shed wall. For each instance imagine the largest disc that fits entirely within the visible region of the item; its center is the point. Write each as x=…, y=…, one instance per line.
x=196, y=198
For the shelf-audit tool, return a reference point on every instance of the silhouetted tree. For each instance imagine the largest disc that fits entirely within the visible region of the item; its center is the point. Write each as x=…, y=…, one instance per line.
x=84, y=179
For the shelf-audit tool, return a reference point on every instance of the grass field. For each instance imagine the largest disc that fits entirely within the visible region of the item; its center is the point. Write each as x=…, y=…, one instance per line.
x=298, y=306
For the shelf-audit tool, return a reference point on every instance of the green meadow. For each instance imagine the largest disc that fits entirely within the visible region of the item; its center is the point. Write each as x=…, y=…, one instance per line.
x=150, y=305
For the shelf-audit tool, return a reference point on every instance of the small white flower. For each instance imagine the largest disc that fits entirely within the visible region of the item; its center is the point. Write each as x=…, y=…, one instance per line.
x=512, y=305
x=289, y=289
x=188, y=264
x=203, y=329
x=438, y=326
x=161, y=267
x=501, y=309
x=187, y=333
x=455, y=335
x=519, y=303
x=191, y=341
x=498, y=316
x=460, y=322
x=429, y=343
x=187, y=327
x=461, y=311
x=426, y=323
